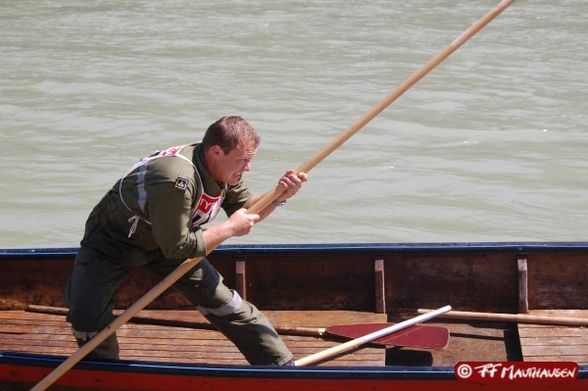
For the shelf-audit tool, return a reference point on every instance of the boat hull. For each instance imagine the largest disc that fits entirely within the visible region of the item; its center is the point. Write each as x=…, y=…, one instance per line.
x=302, y=283
x=22, y=370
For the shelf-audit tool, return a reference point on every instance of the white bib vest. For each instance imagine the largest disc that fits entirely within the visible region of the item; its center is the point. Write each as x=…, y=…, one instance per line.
x=206, y=207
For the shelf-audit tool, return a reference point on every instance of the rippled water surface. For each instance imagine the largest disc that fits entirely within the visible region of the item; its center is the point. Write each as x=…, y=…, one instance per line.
x=491, y=146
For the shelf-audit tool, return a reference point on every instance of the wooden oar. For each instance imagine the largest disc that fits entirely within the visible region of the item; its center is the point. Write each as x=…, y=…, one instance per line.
x=336, y=350
x=270, y=196
x=518, y=318
x=421, y=337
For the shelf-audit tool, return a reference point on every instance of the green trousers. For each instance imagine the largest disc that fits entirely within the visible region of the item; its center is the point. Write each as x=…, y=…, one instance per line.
x=96, y=276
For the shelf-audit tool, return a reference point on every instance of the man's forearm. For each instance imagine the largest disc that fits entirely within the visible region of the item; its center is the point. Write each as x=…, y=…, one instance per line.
x=216, y=235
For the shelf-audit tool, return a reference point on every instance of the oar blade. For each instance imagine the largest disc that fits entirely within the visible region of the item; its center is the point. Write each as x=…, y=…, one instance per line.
x=418, y=336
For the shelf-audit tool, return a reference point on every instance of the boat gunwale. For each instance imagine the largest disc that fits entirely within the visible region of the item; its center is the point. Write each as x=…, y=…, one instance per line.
x=240, y=371
x=246, y=249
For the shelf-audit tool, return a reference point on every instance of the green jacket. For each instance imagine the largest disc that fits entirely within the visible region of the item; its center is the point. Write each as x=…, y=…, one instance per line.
x=162, y=203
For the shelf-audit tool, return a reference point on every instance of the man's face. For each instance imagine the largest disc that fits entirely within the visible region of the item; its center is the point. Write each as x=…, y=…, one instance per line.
x=230, y=167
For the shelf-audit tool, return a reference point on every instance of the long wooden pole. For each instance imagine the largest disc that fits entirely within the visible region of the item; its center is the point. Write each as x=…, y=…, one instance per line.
x=270, y=196
x=389, y=99
x=344, y=347
x=518, y=318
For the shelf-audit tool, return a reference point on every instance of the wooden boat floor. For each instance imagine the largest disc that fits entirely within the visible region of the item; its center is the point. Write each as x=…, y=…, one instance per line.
x=555, y=343
x=29, y=332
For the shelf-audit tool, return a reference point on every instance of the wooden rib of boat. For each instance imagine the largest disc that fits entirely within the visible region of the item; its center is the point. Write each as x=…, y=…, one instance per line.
x=314, y=286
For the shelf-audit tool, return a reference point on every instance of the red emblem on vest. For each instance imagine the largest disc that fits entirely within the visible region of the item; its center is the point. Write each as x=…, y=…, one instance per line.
x=206, y=209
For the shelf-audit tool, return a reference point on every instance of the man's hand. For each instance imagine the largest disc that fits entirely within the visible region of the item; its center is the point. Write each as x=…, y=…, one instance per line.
x=241, y=223
x=291, y=183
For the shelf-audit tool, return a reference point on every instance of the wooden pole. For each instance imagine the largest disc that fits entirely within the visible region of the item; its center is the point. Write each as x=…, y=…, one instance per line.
x=518, y=318
x=335, y=350
x=270, y=196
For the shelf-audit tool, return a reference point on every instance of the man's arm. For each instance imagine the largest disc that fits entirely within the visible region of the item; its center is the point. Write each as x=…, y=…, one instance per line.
x=240, y=223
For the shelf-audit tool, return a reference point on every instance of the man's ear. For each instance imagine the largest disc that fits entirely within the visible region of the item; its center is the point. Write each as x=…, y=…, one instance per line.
x=216, y=151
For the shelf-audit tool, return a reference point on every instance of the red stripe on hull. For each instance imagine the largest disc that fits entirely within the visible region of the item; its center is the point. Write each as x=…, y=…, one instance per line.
x=116, y=380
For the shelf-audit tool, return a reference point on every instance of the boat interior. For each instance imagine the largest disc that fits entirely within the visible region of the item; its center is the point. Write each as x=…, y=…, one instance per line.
x=322, y=287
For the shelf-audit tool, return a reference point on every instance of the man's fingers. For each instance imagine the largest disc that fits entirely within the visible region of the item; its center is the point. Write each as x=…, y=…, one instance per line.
x=254, y=218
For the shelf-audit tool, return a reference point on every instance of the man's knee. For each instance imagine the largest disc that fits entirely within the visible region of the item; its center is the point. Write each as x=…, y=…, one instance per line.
x=226, y=309
x=204, y=287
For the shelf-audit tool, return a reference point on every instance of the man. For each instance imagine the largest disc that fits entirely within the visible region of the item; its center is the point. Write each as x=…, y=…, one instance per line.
x=153, y=216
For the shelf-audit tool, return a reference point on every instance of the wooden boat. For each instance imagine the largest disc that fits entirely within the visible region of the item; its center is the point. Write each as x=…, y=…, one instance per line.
x=314, y=285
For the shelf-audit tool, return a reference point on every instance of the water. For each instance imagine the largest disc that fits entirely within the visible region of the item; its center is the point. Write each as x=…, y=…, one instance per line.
x=490, y=146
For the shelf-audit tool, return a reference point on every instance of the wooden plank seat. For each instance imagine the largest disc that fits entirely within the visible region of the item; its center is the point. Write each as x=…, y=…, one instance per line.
x=555, y=343
x=29, y=332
